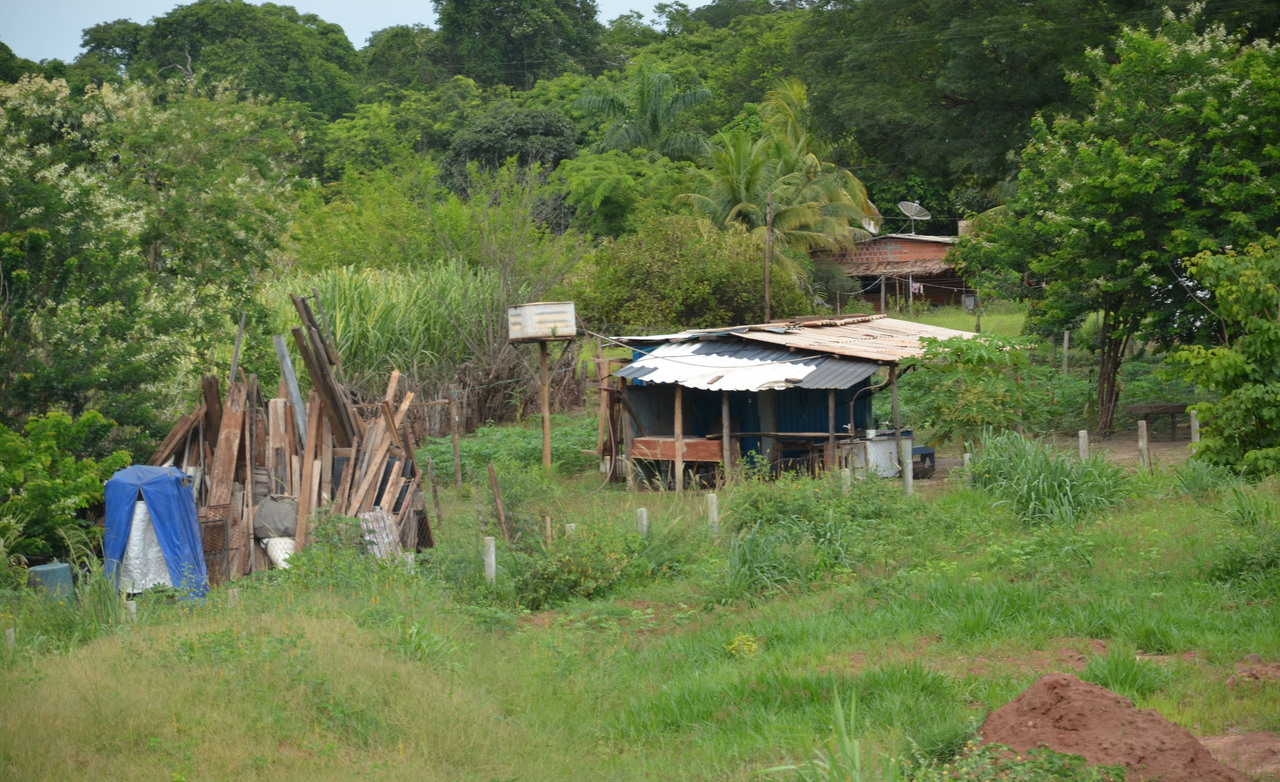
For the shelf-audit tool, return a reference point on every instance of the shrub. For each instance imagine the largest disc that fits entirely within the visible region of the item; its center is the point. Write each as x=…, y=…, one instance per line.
x=589, y=563
x=1042, y=486
x=47, y=481
x=1198, y=477
x=996, y=761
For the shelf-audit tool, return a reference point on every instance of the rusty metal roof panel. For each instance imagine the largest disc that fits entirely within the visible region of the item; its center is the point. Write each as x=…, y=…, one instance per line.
x=869, y=337
x=731, y=365
x=880, y=339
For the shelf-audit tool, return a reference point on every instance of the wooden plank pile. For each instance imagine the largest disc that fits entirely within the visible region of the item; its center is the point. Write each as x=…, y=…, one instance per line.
x=243, y=449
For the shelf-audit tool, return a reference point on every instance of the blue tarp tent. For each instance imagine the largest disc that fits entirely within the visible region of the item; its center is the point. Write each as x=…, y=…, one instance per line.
x=172, y=507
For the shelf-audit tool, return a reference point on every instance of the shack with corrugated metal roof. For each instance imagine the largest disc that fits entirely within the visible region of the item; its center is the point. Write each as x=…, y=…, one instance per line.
x=796, y=394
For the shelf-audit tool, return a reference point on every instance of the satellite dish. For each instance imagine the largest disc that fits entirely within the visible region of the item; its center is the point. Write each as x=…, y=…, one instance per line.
x=914, y=211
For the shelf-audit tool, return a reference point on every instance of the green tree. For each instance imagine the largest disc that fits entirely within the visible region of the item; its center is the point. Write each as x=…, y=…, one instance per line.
x=1241, y=428
x=266, y=49
x=506, y=131
x=1175, y=156
x=77, y=328
x=402, y=57
x=517, y=42
x=647, y=114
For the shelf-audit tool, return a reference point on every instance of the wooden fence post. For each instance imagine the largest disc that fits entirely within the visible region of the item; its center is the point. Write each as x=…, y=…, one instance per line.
x=1144, y=449
x=453, y=429
x=1084, y=444
x=908, y=467
x=490, y=561
x=968, y=470
x=642, y=521
x=1195, y=426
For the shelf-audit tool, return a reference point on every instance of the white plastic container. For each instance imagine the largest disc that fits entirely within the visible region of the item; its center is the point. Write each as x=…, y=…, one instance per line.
x=541, y=321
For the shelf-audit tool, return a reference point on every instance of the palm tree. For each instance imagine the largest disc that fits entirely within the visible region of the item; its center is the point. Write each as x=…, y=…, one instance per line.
x=647, y=115
x=814, y=204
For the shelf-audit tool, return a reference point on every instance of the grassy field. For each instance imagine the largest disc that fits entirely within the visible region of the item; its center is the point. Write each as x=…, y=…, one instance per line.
x=686, y=655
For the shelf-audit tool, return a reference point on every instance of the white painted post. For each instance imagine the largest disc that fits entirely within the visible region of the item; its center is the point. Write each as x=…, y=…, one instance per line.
x=968, y=471
x=569, y=529
x=642, y=521
x=233, y=598
x=846, y=481
x=131, y=607
x=1144, y=450
x=1195, y=426
x=1066, y=345
x=1084, y=444
x=713, y=514
x=908, y=468
x=490, y=561
x=10, y=639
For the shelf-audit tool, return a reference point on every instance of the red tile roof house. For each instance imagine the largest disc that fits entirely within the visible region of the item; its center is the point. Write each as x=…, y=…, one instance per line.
x=906, y=267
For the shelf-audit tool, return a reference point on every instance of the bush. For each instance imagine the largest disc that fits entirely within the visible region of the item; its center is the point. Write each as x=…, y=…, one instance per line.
x=47, y=481
x=1043, y=486
x=1252, y=548
x=588, y=563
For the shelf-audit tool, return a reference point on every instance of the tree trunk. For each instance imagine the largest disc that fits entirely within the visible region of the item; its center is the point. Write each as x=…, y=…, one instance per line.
x=1114, y=339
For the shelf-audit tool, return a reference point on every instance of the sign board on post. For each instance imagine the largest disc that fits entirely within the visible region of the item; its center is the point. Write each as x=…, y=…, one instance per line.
x=543, y=322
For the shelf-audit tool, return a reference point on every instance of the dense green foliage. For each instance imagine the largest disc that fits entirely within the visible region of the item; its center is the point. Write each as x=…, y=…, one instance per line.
x=681, y=271
x=1175, y=156
x=48, y=476
x=1242, y=427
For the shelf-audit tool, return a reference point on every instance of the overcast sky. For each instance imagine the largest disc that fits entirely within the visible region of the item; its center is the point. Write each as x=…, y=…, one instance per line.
x=44, y=29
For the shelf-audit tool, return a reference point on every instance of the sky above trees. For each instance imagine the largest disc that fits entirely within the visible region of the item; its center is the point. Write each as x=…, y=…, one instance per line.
x=40, y=31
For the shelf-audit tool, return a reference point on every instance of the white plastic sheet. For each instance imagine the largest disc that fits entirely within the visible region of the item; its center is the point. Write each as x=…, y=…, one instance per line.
x=144, y=565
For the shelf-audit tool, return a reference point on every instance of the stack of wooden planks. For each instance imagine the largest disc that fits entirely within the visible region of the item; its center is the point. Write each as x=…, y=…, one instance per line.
x=242, y=449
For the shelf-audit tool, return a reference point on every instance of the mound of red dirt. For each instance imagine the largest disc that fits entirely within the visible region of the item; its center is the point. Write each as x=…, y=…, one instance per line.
x=1064, y=714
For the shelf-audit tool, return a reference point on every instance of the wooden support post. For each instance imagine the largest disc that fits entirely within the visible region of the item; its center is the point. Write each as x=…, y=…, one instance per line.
x=679, y=433
x=490, y=561
x=713, y=514
x=1084, y=444
x=882, y=294
x=897, y=424
x=435, y=493
x=968, y=469
x=726, y=440
x=453, y=431
x=1066, y=347
x=625, y=422
x=1195, y=426
x=497, y=501
x=544, y=394
x=1144, y=449
x=829, y=457
x=642, y=522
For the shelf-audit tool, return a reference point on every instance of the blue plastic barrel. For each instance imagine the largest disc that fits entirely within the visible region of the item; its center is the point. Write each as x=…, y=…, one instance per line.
x=53, y=579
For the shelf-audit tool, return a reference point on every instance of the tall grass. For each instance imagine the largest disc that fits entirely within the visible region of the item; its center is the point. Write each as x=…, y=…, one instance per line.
x=407, y=319
x=1042, y=485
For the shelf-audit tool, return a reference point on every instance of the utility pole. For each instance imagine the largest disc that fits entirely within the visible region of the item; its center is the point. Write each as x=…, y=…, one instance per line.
x=768, y=251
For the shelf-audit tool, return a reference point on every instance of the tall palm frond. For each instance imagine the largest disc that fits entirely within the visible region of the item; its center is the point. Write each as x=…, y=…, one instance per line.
x=647, y=113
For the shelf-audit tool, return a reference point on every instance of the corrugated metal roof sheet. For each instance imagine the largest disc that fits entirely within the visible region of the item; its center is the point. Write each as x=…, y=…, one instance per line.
x=730, y=365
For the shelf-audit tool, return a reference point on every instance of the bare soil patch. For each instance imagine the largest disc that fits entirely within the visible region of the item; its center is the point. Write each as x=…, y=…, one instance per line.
x=1064, y=714
x=1256, y=754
